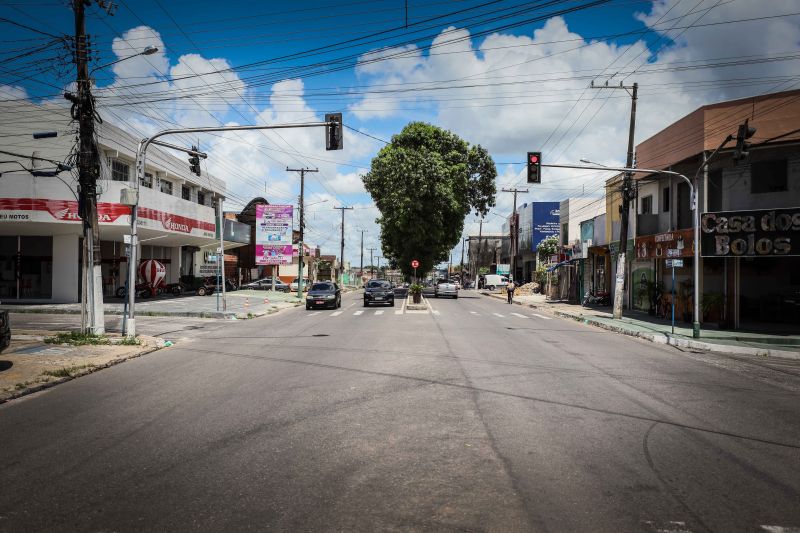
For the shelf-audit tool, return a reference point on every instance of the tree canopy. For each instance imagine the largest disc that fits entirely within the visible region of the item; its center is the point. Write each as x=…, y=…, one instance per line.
x=424, y=183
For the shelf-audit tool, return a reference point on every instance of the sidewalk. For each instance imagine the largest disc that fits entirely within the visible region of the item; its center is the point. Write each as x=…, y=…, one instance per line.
x=638, y=324
x=240, y=304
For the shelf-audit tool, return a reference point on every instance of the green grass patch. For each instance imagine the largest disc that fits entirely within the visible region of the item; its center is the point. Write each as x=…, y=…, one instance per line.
x=76, y=338
x=129, y=341
x=67, y=371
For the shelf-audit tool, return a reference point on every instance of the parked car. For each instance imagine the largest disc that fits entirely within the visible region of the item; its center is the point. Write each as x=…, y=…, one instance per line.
x=428, y=289
x=446, y=289
x=494, y=281
x=378, y=291
x=265, y=284
x=293, y=284
x=324, y=294
x=5, y=330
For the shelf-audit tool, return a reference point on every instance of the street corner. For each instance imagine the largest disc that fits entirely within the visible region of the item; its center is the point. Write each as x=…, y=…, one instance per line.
x=38, y=359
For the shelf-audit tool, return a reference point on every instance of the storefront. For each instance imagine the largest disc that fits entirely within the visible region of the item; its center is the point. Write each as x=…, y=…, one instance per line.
x=651, y=277
x=26, y=267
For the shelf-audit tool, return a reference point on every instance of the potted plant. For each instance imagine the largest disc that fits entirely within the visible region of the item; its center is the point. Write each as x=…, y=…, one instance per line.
x=416, y=292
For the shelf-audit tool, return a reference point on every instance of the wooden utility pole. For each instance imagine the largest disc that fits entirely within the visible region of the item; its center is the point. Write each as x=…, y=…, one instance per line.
x=514, y=232
x=628, y=194
x=341, y=250
x=302, y=224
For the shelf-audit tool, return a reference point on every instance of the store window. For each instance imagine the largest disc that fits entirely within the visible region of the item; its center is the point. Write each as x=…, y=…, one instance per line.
x=665, y=200
x=186, y=192
x=647, y=205
x=166, y=187
x=119, y=170
x=147, y=181
x=26, y=267
x=769, y=176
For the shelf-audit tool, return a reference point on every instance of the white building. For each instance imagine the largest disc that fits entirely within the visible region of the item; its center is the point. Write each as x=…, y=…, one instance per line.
x=40, y=231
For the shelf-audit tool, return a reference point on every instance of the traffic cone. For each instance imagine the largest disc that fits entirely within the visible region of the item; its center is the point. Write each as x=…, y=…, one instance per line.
x=266, y=300
x=246, y=303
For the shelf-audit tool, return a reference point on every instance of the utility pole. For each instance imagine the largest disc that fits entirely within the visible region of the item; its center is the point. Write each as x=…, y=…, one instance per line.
x=371, y=263
x=302, y=172
x=341, y=251
x=88, y=174
x=463, y=241
x=361, y=269
x=514, y=231
x=628, y=194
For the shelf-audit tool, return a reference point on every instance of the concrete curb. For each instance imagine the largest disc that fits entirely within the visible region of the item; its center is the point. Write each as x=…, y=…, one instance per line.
x=42, y=386
x=421, y=306
x=662, y=338
x=229, y=315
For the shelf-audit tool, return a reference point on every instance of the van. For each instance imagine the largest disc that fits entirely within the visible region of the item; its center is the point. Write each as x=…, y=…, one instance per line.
x=494, y=281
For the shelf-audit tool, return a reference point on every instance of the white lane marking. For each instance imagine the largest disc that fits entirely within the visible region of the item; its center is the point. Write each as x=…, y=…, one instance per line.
x=358, y=313
x=498, y=315
x=398, y=311
x=336, y=313
x=315, y=313
x=542, y=316
x=519, y=315
x=474, y=313
x=378, y=312
x=435, y=311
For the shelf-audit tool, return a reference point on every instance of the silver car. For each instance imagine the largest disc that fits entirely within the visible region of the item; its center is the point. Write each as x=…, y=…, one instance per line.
x=446, y=289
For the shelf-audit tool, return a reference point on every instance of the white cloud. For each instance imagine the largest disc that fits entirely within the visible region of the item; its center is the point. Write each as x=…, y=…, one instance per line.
x=13, y=92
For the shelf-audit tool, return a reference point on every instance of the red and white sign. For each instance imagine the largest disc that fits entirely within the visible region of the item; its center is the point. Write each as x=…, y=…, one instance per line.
x=153, y=272
x=414, y=264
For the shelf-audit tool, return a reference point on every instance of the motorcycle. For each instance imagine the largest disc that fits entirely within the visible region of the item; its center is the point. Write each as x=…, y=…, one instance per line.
x=600, y=298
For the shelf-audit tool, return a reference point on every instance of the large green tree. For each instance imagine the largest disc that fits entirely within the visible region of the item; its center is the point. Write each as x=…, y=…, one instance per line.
x=424, y=183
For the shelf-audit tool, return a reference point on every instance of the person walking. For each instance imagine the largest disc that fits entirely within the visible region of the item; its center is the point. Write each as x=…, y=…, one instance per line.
x=510, y=290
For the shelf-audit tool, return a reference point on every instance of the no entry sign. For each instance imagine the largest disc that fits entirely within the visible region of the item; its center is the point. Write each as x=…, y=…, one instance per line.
x=414, y=264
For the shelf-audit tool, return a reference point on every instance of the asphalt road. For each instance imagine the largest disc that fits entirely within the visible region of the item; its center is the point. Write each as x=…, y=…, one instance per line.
x=477, y=416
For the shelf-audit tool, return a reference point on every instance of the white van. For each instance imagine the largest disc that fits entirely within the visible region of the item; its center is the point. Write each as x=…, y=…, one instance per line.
x=494, y=281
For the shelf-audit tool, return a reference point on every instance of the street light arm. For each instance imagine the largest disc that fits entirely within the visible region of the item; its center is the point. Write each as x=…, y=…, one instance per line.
x=150, y=50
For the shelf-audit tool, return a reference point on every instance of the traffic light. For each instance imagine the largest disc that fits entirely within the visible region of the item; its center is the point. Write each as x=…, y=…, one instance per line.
x=742, y=146
x=194, y=162
x=534, y=167
x=334, y=140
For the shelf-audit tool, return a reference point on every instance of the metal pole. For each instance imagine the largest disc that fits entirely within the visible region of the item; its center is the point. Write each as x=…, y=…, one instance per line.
x=141, y=156
x=221, y=259
x=514, y=231
x=673, y=298
x=300, y=258
x=341, y=251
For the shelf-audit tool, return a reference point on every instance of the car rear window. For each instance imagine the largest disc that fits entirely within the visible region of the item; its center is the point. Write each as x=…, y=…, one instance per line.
x=381, y=284
x=322, y=287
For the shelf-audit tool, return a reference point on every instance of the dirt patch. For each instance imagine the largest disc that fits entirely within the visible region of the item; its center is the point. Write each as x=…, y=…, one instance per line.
x=30, y=364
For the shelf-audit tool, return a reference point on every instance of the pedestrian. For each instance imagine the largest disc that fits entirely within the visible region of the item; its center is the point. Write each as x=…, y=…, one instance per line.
x=510, y=290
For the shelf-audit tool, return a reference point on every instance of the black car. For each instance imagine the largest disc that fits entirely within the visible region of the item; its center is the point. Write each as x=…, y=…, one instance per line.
x=5, y=330
x=324, y=294
x=378, y=291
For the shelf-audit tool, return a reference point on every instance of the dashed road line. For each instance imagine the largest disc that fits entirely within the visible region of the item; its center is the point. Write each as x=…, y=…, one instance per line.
x=474, y=313
x=542, y=316
x=398, y=311
x=435, y=311
x=519, y=315
x=498, y=315
x=378, y=312
x=336, y=313
x=358, y=313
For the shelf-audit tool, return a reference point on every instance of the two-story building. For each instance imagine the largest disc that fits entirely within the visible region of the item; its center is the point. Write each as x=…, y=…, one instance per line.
x=40, y=231
x=750, y=212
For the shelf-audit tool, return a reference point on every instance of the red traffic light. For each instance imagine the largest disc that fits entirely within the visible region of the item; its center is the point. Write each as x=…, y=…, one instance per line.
x=534, y=158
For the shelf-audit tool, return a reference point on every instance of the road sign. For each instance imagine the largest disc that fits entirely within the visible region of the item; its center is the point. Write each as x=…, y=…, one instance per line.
x=674, y=263
x=414, y=264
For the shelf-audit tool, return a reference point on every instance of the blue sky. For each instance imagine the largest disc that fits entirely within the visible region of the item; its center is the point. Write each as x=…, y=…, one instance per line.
x=510, y=75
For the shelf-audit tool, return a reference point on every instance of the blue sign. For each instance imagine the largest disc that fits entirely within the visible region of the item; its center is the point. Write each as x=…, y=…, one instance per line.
x=545, y=222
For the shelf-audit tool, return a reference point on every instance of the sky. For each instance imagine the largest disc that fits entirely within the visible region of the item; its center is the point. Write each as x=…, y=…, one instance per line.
x=512, y=76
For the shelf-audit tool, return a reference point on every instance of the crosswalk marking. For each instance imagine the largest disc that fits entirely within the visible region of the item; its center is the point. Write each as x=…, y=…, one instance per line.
x=358, y=313
x=542, y=316
x=519, y=315
x=498, y=315
x=473, y=312
x=398, y=311
x=336, y=313
x=378, y=312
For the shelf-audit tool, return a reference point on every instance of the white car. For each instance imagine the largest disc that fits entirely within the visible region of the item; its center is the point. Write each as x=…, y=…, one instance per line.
x=293, y=284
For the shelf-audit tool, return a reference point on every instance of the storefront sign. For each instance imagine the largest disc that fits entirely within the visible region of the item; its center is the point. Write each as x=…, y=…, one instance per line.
x=545, y=222
x=663, y=245
x=274, y=234
x=674, y=263
x=503, y=269
x=761, y=232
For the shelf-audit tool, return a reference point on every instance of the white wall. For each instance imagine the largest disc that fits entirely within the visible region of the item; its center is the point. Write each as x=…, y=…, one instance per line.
x=66, y=274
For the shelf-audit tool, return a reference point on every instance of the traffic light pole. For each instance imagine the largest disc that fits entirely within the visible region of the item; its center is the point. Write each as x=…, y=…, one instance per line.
x=302, y=172
x=341, y=258
x=331, y=126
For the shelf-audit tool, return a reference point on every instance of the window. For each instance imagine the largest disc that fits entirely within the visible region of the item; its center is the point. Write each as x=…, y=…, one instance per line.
x=768, y=176
x=119, y=170
x=201, y=198
x=166, y=186
x=147, y=181
x=186, y=192
x=564, y=234
x=647, y=205
x=665, y=200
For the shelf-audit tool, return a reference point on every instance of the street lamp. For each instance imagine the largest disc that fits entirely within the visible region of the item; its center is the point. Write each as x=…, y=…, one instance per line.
x=148, y=51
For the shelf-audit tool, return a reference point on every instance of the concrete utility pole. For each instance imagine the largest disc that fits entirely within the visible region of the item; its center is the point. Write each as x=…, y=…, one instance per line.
x=221, y=256
x=514, y=232
x=371, y=263
x=302, y=172
x=341, y=251
x=88, y=174
x=628, y=194
x=463, y=241
x=361, y=269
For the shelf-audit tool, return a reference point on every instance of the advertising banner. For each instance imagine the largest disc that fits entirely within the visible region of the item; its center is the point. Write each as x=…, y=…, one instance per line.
x=755, y=233
x=545, y=222
x=274, y=234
